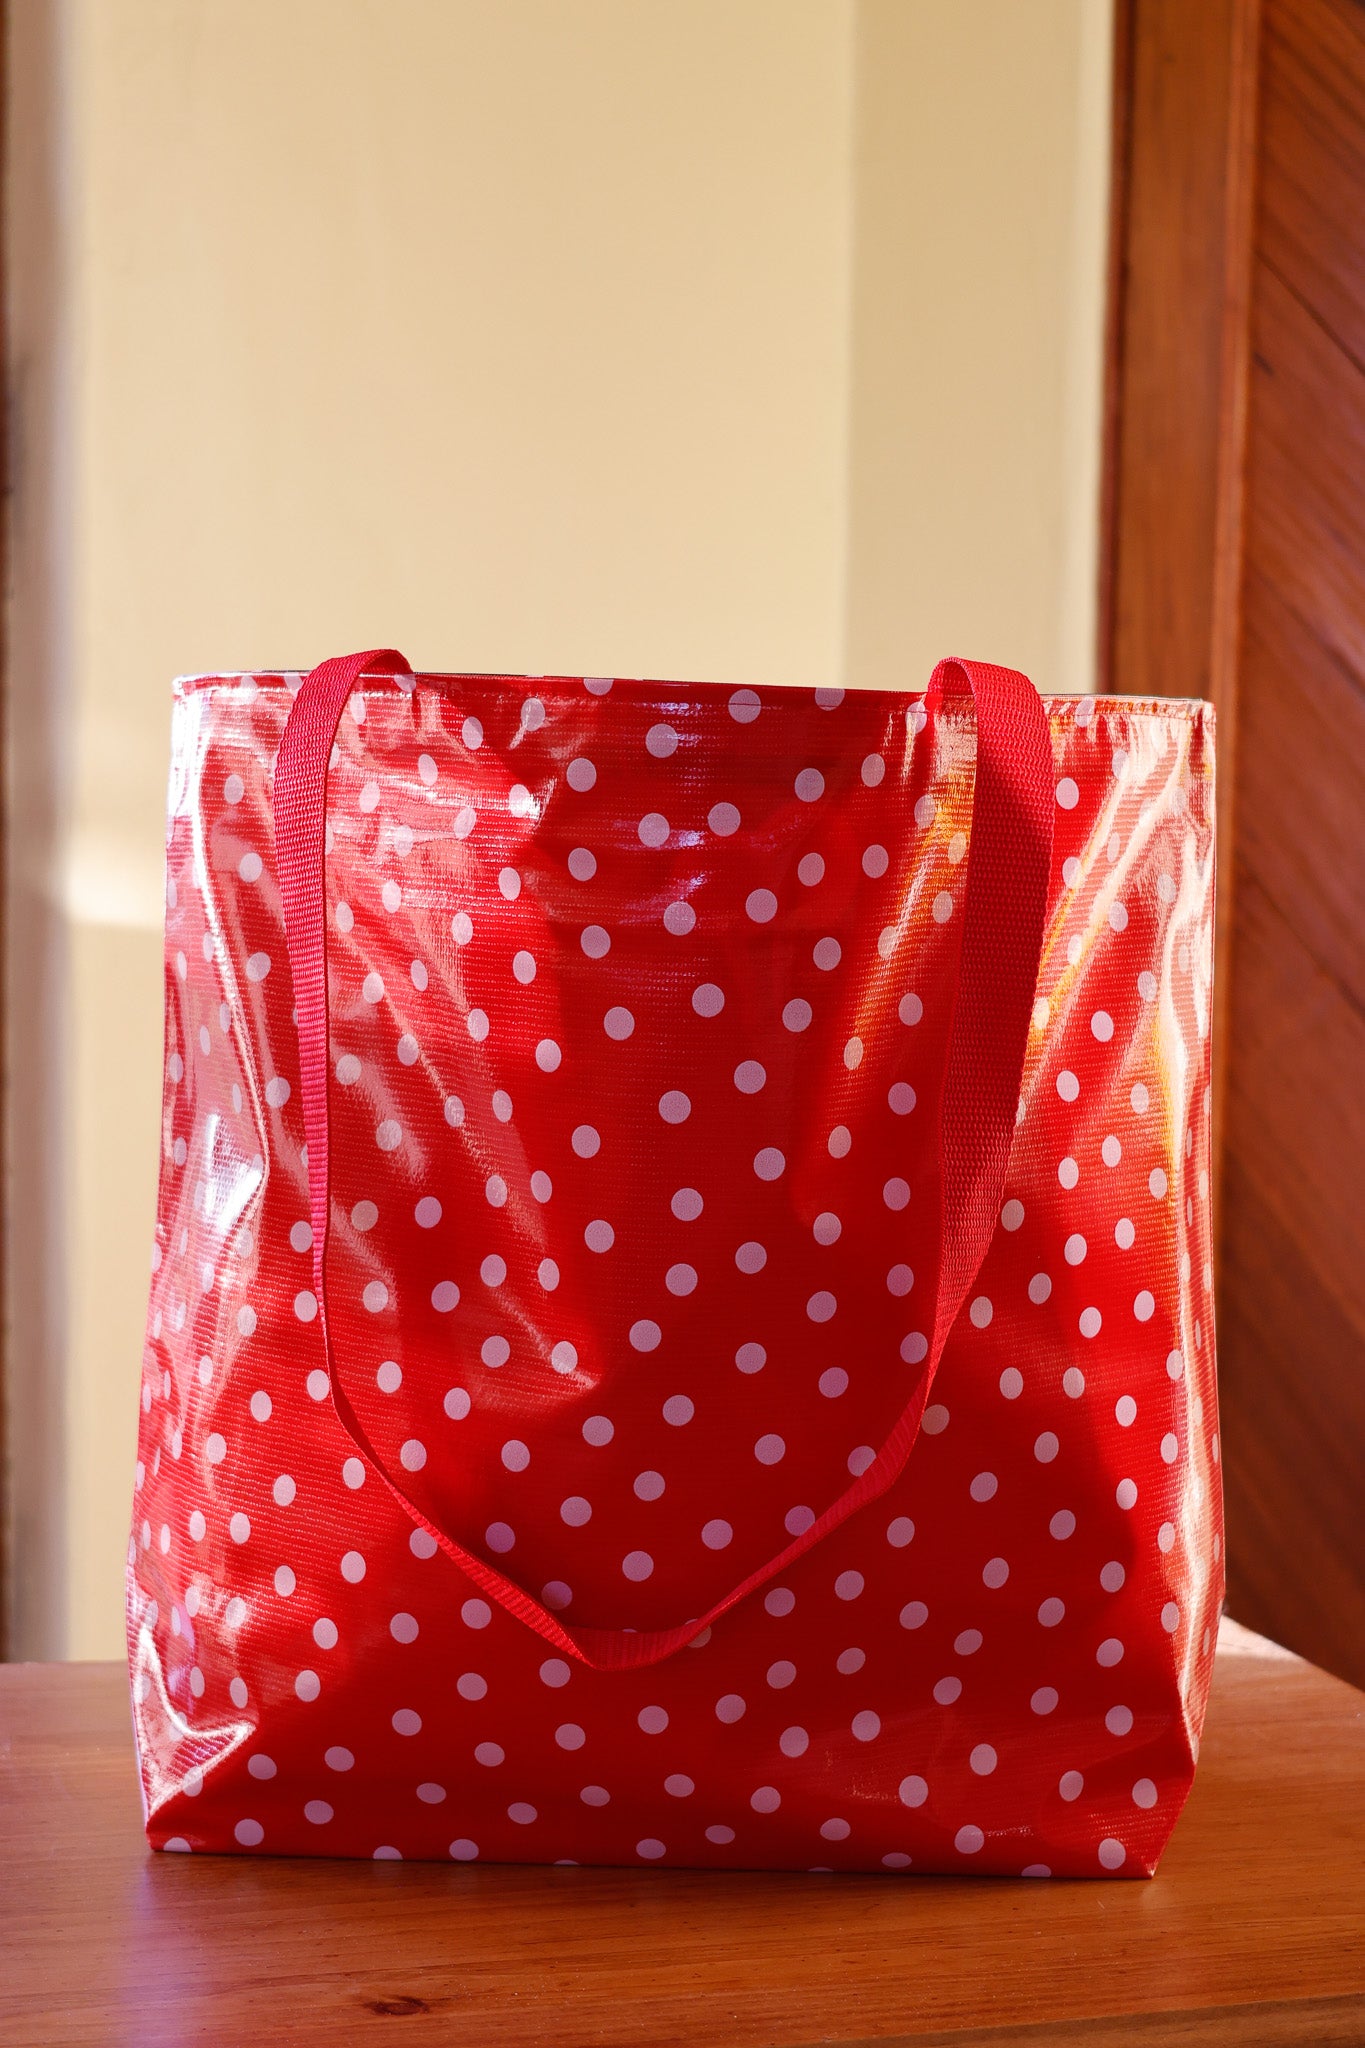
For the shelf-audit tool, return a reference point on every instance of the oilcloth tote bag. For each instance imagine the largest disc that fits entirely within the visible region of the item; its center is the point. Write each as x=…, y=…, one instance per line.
x=681, y=1325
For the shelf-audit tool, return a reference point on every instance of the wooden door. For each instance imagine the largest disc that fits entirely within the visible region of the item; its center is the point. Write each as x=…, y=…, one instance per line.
x=1234, y=566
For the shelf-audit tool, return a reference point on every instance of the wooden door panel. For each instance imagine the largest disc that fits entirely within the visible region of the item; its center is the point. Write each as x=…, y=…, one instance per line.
x=1312, y=146
x=1292, y=1289
x=1291, y=1432
x=1295, y=1109
x=1283, y=612
x=1305, y=470
x=1300, y=785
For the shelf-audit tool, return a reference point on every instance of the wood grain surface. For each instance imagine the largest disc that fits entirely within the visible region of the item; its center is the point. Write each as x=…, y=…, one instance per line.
x=1233, y=552
x=1292, y=1303
x=1251, y=1932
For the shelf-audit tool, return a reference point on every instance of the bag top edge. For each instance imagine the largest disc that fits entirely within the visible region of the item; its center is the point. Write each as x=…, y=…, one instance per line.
x=661, y=687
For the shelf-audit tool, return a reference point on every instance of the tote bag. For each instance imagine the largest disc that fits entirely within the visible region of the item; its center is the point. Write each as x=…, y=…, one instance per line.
x=681, y=1328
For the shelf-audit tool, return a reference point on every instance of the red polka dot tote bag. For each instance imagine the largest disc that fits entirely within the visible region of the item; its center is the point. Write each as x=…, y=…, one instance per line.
x=681, y=1328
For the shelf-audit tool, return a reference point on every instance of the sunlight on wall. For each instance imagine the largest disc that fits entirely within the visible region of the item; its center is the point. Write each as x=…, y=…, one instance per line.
x=753, y=339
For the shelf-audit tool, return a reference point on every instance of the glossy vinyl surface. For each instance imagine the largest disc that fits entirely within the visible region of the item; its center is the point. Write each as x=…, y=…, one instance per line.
x=639, y=1011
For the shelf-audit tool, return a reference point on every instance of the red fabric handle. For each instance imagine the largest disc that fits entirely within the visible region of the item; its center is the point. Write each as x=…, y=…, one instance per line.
x=1008, y=869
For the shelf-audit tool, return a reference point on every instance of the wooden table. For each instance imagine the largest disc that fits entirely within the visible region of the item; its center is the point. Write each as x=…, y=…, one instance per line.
x=1252, y=1932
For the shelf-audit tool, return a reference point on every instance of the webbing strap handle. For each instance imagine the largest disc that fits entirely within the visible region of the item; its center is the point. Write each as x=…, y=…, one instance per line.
x=1008, y=870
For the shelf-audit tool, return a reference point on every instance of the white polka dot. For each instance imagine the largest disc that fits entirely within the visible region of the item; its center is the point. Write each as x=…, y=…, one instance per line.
x=674, y=1106
x=1112, y=1853
x=1070, y=1785
x=678, y=1410
x=995, y=1572
x=1068, y=795
x=984, y=1486
x=717, y=1534
x=750, y=1077
x=645, y=1335
x=744, y=706
x=769, y=1164
x=833, y=1382
x=1045, y=1447
x=1044, y=1700
x=751, y=1358
x=751, y=1257
x=1125, y=1411
x=1119, y=1721
x=653, y=829
x=637, y=1565
x=1126, y=1493
x=599, y=1235
x=968, y=1840
x=1090, y=1322
x=840, y=1143
x=981, y=1312
x=796, y=1014
x=723, y=819
x=810, y=785
x=595, y=941
x=896, y=1193
x=827, y=954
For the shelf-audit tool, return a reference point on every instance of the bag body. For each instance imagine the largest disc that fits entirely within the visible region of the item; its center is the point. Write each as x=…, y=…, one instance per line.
x=640, y=1365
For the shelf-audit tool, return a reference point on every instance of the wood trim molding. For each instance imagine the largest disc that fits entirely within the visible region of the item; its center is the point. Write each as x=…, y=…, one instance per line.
x=6, y=1521
x=1182, y=223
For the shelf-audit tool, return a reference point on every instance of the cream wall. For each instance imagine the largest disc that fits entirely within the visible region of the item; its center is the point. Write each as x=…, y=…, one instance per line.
x=617, y=336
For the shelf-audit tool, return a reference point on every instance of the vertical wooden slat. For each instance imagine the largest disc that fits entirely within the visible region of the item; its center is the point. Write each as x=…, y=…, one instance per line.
x=5, y=1361
x=1232, y=549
